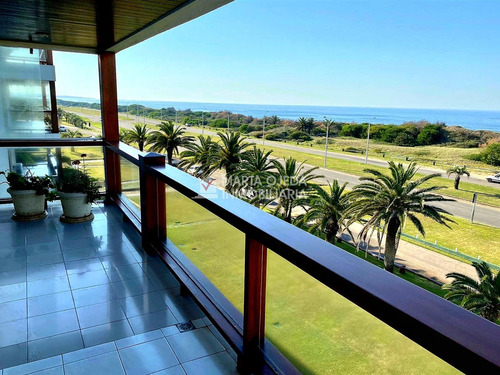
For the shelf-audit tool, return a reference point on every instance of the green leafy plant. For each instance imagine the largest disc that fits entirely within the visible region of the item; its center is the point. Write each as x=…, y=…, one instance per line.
x=481, y=296
x=76, y=180
x=42, y=185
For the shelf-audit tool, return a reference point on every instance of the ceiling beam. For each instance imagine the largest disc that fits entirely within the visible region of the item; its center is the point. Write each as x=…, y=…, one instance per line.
x=184, y=13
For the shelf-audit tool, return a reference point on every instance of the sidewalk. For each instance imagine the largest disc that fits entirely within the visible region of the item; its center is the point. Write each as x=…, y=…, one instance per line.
x=423, y=261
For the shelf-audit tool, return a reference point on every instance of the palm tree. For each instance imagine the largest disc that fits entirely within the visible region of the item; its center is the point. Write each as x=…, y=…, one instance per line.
x=292, y=182
x=327, y=209
x=139, y=135
x=228, y=154
x=72, y=134
x=389, y=199
x=458, y=171
x=169, y=138
x=481, y=297
x=253, y=176
x=199, y=155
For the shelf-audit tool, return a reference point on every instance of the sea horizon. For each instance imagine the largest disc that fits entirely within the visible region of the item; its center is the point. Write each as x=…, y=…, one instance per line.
x=467, y=118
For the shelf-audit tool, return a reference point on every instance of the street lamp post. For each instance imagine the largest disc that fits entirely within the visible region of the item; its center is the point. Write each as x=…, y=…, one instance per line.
x=327, y=122
x=367, y=144
x=264, y=131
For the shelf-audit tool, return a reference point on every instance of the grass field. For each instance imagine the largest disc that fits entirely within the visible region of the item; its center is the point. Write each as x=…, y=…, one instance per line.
x=319, y=330
x=471, y=239
x=444, y=156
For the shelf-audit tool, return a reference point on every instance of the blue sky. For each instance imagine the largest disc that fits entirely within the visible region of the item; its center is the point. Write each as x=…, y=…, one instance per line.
x=389, y=53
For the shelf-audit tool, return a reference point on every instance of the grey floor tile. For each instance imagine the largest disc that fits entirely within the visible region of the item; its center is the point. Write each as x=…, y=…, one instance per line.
x=170, y=331
x=74, y=244
x=131, y=271
x=18, y=264
x=83, y=265
x=132, y=287
x=12, y=292
x=152, y=321
x=88, y=279
x=44, y=259
x=48, y=286
x=13, y=310
x=14, y=332
x=12, y=252
x=33, y=367
x=79, y=254
x=59, y=370
x=139, y=339
x=43, y=248
x=176, y=370
x=11, y=277
x=164, y=281
x=46, y=271
x=89, y=352
x=219, y=337
x=118, y=259
x=13, y=355
x=50, y=303
x=99, y=314
x=106, y=332
x=93, y=295
x=183, y=308
x=54, y=345
x=142, y=304
x=108, y=363
x=217, y=364
x=148, y=357
x=194, y=344
x=52, y=324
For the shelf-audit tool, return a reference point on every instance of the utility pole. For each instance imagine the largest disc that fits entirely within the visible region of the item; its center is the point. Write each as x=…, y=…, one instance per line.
x=264, y=131
x=474, y=201
x=327, y=122
x=368, y=143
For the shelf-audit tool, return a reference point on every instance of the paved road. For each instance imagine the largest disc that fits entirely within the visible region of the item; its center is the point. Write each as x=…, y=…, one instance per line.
x=483, y=214
x=463, y=209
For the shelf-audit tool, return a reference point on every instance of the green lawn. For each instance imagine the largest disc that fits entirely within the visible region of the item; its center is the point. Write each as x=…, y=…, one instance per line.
x=320, y=331
x=471, y=239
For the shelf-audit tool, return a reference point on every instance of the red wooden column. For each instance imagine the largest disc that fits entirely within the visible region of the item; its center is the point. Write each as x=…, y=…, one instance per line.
x=53, y=98
x=153, y=200
x=254, y=310
x=109, y=118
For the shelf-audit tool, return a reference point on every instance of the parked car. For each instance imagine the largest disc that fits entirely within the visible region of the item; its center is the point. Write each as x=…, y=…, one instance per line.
x=494, y=178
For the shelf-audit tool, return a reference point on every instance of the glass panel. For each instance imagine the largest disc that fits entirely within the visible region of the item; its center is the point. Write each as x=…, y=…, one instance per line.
x=47, y=161
x=321, y=332
x=214, y=246
x=130, y=181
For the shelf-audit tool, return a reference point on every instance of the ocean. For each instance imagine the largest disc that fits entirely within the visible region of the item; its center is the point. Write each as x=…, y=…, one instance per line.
x=470, y=119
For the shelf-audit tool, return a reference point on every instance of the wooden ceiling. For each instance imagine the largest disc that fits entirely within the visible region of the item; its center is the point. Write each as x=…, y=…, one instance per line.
x=93, y=25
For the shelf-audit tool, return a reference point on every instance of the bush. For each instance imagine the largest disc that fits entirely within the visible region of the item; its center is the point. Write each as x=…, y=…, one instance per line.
x=405, y=139
x=491, y=155
x=432, y=134
x=353, y=130
x=300, y=136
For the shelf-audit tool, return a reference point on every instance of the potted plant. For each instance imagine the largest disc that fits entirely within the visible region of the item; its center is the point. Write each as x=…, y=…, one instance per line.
x=29, y=194
x=77, y=191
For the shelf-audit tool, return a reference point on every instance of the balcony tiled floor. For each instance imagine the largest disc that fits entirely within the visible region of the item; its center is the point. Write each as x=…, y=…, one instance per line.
x=68, y=287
